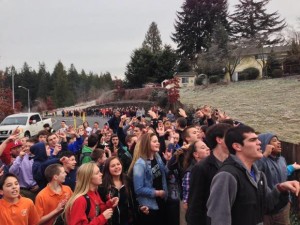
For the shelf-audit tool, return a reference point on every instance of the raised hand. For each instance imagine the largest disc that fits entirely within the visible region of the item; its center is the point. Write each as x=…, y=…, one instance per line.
x=144, y=209
x=108, y=213
x=292, y=186
x=160, y=130
x=114, y=201
x=182, y=112
x=268, y=150
x=57, y=149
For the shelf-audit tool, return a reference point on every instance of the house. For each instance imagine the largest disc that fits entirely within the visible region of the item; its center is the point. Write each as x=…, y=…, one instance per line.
x=257, y=57
x=186, y=79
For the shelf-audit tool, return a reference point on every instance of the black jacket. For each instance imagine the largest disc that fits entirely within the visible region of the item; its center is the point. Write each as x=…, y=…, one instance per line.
x=238, y=196
x=201, y=177
x=121, y=212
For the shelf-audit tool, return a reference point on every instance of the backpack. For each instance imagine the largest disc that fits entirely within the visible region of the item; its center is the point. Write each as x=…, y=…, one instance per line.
x=60, y=220
x=83, y=155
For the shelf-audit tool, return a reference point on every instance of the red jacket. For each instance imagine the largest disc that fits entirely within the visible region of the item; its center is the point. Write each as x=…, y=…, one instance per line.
x=77, y=214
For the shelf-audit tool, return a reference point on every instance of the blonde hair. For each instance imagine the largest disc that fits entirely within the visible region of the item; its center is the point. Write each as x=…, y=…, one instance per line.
x=141, y=150
x=83, y=180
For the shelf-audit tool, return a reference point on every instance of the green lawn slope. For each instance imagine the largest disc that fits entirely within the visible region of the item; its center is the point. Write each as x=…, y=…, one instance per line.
x=271, y=105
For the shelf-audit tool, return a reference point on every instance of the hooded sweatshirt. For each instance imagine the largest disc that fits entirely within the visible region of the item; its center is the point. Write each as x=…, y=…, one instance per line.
x=41, y=161
x=86, y=154
x=274, y=167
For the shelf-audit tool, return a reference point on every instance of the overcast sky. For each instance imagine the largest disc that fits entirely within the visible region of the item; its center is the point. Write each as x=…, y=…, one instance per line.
x=94, y=35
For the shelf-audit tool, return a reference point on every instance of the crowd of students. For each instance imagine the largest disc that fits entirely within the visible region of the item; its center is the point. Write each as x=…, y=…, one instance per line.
x=203, y=168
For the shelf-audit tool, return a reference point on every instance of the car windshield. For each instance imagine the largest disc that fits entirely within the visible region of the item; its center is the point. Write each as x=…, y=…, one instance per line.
x=14, y=121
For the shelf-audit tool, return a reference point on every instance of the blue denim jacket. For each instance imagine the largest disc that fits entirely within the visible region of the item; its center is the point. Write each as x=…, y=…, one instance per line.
x=143, y=182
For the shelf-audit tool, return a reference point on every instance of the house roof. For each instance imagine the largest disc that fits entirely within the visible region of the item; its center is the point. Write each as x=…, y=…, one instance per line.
x=266, y=50
x=185, y=74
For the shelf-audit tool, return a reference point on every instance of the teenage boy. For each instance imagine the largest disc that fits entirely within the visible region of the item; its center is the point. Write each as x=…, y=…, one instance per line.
x=22, y=168
x=15, y=209
x=51, y=201
x=69, y=165
x=42, y=159
x=276, y=170
x=42, y=136
x=203, y=173
x=57, y=139
x=87, y=150
x=239, y=192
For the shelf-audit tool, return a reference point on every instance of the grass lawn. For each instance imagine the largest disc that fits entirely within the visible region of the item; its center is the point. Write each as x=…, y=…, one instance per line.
x=271, y=105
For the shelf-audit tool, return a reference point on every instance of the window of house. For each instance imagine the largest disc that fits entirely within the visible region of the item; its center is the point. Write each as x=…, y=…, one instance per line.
x=184, y=80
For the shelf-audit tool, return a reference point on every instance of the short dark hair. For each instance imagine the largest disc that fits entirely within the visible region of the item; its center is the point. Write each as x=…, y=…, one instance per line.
x=129, y=137
x=42, y=132
x=228, y=121
x=32, y=140
x=51, y=134
x=46, y=125
x=236, y=135
x=113, y=136
x=51, y=170
x=97, y=153
x=185, y=132
x=140, y=126
x=204, y=128
x=181, y=122
x=214, y=131
x=4, y=177
x=92, y=140
x=66, y=154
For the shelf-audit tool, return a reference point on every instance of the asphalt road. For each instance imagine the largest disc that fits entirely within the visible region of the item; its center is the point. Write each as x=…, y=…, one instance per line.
x=70, y=121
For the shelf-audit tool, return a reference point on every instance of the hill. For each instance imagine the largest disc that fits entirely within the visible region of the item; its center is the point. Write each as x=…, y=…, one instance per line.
x=267, y=105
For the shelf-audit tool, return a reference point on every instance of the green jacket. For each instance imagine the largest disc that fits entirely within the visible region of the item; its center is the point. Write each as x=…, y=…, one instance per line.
x=86, y=154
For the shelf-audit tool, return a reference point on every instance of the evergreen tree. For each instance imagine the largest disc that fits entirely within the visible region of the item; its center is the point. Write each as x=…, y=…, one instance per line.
x=213, y=61
x=146, y=66
x=44, y=86
x=60, y=86
x=141, y=67
x=292, y=61
x=195, y=24
x=166, y=64
x=73, y=80
x=82, y=86
x=272, y=63
x=251, y=20
x=27, y=78
x=152, y=39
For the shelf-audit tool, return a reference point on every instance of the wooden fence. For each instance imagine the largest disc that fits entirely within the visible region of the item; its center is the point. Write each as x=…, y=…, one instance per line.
x=291, y=152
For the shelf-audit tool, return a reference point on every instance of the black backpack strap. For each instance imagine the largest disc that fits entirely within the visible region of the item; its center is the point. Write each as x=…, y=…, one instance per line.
x=83, y=155
x=88, y=206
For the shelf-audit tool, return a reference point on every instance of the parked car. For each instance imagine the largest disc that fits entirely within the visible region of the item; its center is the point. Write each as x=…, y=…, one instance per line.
x=29, y=124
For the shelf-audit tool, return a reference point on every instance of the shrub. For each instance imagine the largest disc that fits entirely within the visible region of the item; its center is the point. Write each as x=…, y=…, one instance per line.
x=250, y=73
x=214, y=79
x=276, y=73
x=242, y=76
x=199, y=80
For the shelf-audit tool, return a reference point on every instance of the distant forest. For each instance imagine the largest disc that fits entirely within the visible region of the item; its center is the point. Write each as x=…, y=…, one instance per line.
x=62, y=87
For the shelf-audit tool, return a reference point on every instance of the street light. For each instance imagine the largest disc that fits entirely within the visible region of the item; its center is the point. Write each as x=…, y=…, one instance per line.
x=28, y=96
x=13, y=89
